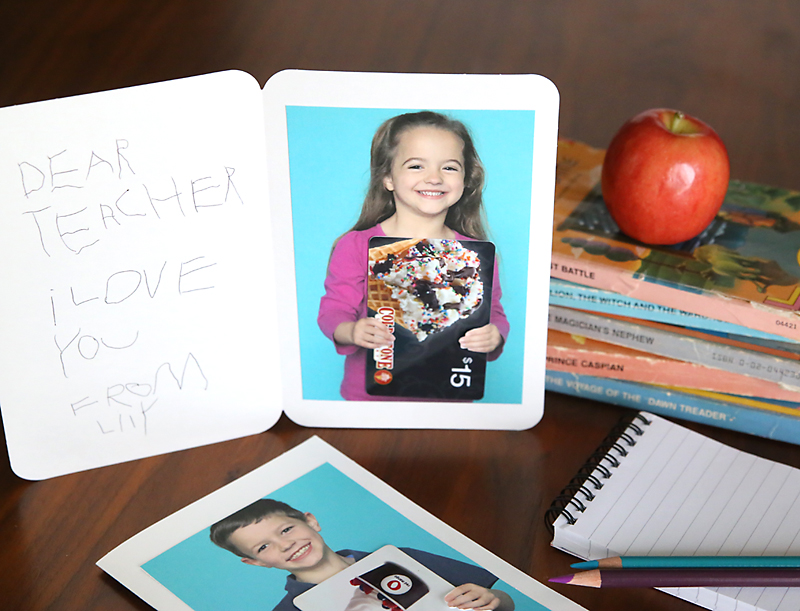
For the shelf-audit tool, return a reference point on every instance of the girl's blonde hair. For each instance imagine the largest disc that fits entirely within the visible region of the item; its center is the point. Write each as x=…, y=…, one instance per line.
x=466, y=216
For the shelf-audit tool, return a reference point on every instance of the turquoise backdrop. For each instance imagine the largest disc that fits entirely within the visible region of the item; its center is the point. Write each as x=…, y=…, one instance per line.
x=208, y=578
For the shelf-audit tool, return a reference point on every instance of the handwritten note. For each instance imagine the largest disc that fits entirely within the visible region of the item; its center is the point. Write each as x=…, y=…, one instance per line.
x=136, y=272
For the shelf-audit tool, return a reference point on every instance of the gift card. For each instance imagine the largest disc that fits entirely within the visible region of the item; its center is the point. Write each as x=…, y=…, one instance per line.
x=387, y=579
x=429, y=293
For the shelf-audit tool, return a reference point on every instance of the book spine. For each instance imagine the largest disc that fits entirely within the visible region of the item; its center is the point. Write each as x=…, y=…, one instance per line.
x=761, y=423
x=710, y=305
x=650, y=369
x=570, y=295
x=676, y=346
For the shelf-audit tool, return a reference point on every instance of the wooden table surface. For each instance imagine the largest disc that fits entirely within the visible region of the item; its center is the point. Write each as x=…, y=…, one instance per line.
x=733, y=64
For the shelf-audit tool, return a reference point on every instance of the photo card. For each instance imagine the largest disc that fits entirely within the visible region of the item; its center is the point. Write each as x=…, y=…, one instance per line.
x=185, y=266
x=319, y=509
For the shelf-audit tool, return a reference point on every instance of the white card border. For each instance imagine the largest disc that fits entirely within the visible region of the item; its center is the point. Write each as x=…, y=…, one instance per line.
x=384, y=90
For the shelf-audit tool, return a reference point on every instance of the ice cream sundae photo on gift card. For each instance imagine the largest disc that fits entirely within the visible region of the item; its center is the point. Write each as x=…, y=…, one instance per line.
x=429, y=293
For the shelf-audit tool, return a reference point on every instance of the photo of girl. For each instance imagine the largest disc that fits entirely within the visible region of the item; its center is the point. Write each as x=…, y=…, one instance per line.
x=426, y=181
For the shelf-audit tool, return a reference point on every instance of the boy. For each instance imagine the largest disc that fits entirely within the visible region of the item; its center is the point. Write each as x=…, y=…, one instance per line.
x=272, y=534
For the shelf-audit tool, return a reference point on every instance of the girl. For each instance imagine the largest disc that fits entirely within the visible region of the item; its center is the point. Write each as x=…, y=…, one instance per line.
x=426, y=181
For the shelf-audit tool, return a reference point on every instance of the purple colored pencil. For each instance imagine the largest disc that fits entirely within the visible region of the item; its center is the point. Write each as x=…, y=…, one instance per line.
x=679, y=578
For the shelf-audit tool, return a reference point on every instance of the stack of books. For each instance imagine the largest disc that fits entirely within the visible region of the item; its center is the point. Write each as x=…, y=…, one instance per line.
x=707, y=330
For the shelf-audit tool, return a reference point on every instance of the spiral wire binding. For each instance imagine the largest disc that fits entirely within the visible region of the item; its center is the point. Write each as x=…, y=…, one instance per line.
x=573, y=498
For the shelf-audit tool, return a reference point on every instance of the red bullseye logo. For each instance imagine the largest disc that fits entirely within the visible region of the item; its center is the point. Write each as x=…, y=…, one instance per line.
x=396, y=584
x=383, y=377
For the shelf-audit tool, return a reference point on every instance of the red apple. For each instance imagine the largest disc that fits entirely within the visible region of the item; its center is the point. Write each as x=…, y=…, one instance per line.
x=664, y=176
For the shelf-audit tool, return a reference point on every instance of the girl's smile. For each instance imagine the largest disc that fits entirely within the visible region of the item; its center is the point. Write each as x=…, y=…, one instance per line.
x=427, y=175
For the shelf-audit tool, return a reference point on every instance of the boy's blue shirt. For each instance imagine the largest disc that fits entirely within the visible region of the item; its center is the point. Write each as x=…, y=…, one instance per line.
x=454, y=571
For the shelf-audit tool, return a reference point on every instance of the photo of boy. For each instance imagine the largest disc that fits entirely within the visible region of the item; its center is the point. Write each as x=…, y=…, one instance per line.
x=272, y=534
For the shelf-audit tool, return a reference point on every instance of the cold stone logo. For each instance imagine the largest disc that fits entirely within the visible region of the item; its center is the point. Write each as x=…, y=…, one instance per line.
x=383, y=377
x=384, y=357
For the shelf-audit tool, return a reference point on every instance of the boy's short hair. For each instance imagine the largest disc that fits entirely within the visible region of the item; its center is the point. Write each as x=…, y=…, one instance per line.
x=254, y=512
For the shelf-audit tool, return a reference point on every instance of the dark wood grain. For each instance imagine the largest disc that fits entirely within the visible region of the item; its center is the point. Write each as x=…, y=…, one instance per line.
x=733, y=64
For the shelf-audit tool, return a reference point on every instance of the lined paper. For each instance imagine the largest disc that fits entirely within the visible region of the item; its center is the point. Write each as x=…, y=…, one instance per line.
x=679, y=493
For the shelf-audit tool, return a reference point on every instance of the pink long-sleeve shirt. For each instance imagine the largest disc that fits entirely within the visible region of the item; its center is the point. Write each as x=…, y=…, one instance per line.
x=345, y=300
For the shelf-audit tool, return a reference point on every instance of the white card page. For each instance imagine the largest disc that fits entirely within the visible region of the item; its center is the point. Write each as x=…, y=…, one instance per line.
x=137, y=274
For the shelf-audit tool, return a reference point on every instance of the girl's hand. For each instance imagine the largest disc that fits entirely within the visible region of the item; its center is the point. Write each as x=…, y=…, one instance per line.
x=365, y=332
x=483, y=339
x=471, y=596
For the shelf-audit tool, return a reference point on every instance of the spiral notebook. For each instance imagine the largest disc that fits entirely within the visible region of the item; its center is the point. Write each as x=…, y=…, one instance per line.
x=655, y=488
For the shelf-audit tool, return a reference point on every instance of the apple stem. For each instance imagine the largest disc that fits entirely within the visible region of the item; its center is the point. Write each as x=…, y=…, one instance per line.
x=676, y=121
